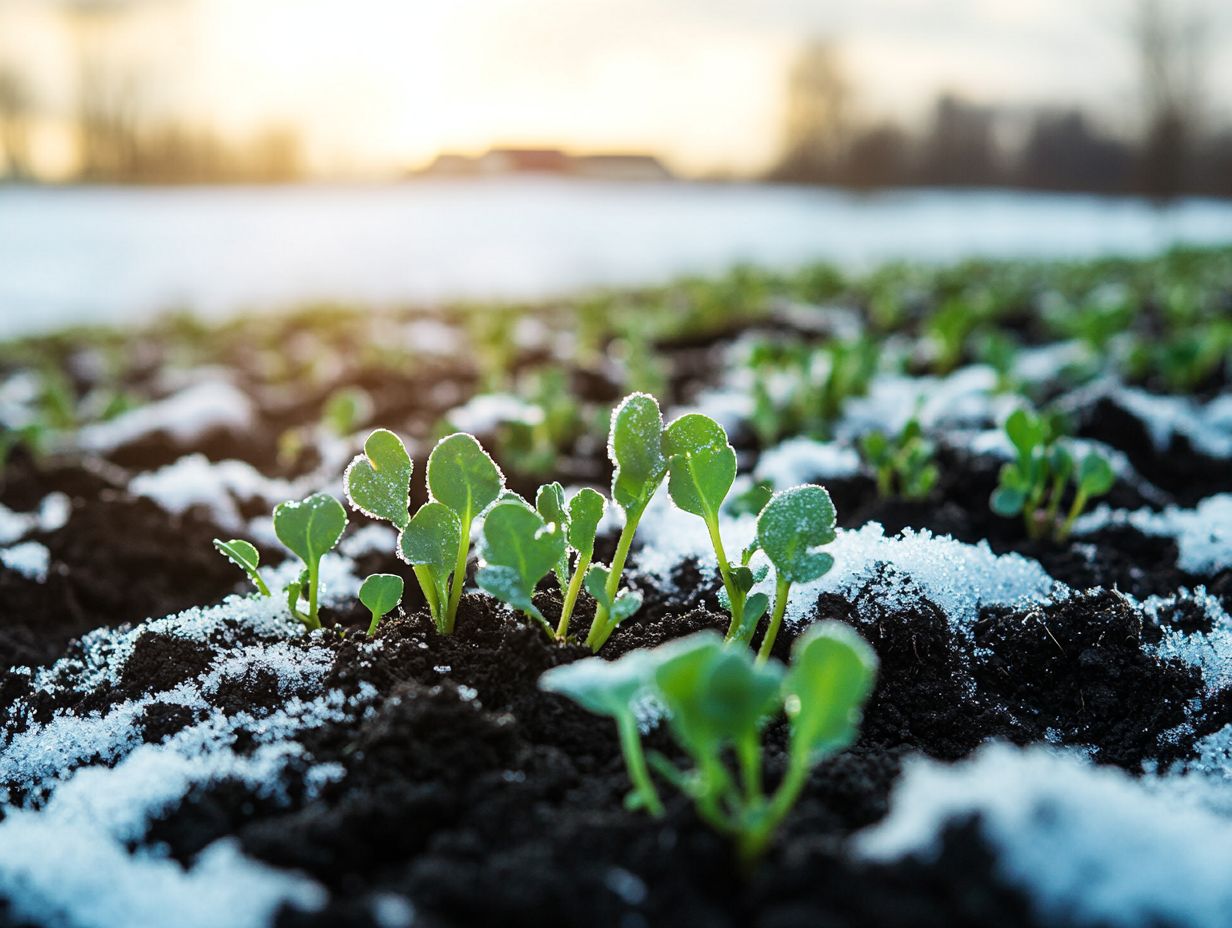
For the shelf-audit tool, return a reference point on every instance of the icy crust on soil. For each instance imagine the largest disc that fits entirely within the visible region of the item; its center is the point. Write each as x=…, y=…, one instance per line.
x=185, y=416
x=1206, y=426
x=219, y=487
x=959, y=578
x=803, y=460
x=30, y=559
x=1203, y=534
x=91, y=784
x=1086, y=843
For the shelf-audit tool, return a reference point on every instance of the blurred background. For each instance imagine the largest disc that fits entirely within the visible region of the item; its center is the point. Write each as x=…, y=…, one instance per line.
x=220, y=155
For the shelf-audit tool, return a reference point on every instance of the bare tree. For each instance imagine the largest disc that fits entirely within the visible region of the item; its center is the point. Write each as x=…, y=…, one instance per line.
x=15, y=106
x=816, y=127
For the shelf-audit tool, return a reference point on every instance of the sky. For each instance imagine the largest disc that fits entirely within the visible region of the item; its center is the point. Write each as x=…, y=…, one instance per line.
x=378, y=85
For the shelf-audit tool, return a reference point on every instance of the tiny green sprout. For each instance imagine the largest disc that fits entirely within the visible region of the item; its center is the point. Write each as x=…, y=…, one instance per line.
x=612, y=688
x=719, y=700
x=518, y=549
x=464, y=478
x=635, y=446
x=309, y=528
x=579, y=519
x=903, y=463
x=1034, y=483
x=244, y=556
x=701, y=469
x=381, y=593
x=793, y=524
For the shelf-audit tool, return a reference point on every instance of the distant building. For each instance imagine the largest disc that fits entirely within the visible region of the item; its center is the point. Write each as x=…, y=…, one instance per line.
x=499, y=162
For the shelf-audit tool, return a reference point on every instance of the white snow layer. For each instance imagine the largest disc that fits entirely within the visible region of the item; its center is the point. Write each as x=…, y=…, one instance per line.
x=1203, y=535
x=30, y=559
x=803, y=460
x=484, y=413
x=185, y=416
x=219, y=487
x=1086, y=843
x=959, y=578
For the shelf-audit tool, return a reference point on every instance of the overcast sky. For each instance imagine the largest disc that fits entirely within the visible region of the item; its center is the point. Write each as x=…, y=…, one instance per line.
x=375, y=83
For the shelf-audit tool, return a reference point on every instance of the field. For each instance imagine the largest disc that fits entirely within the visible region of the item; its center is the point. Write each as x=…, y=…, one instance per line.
x=1047, y=742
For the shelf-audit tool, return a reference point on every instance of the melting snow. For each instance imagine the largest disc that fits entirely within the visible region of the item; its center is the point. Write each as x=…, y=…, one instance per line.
x=30, y=559
x=1203, y=534
x=195, y=480
x=803, y=460
x=485, y=412
x=185, y=416
x=1083, y=841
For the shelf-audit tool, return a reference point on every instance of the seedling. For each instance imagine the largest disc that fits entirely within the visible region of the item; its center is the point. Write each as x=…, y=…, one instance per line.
x=635, y=446
x=903, y=463
x=429, y=543
x=381, y=593
x=244, y=556
x=1033, y=485
x=310, y=528
x=346, y=411
x=702, y=468
x=462, y=477
x=613, y=688
x=519, y=549
x=719, y=699
x=794, y=523
x=579, y=520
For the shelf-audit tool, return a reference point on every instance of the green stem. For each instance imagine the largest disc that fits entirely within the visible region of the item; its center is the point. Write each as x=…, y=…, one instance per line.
x=376, y=620
x=459, y=574
x=750, y=769
x=427, y=584
x=781, y=588
x=734, y=596
x=313, y=572
x=1080, y=501
x=260, y=584
x=635, y=762
x=600, y=630
x=754, y=841
x=571, y=595
x=884, y=487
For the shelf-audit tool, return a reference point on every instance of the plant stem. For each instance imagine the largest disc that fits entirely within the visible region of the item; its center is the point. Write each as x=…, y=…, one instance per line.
x=883, y=482
x=754, y=841
x=313, y=571
x=260, y=584
x=571, y=595
x=599, y=630
x=1080, y=501
x=459, y=574
x=781, y=588
x=750, y=769
x=635, y=761
x=376, y=620
x=734, y=596
x=427, y=584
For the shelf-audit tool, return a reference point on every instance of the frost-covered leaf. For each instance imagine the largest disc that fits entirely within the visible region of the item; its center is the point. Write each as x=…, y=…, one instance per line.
x=378, y=482
x=792, y=525
x=832, y=674
x=550, y=503
x=701, y=462
x=586, y=510
x=462, y=476
x=635, y=447
x=518, y=549
x=381, y=593
x=310, y=527
x=432, y=538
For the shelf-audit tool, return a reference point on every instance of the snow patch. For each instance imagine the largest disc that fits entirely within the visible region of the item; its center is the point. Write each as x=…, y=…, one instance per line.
x=484, y=413
x=185, y=416
x=1203, y=535
x=30, y=559
x=1085, y=842
x=803, y=460
x=219, y=487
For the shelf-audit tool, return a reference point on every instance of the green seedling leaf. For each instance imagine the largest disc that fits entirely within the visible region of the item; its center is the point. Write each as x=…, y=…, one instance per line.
x=600, y=686
x=310, y=527
x=378, y=482
x=1025, y=431
x=832, y=674
x=381, y=593
x=1095, y=475
x=627, y=602
x=701, y=463
x=346, y=410
x=463, y=477
x=586, y=510
x=715, y=694
x=792, y=525
x=244, y=556
x=635, y=446
x=550, y=503
x=431, y=538
x=1007, y=501
x=518, y=548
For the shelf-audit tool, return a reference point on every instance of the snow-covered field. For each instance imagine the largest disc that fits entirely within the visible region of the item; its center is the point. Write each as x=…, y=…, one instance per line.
x=113, y=255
